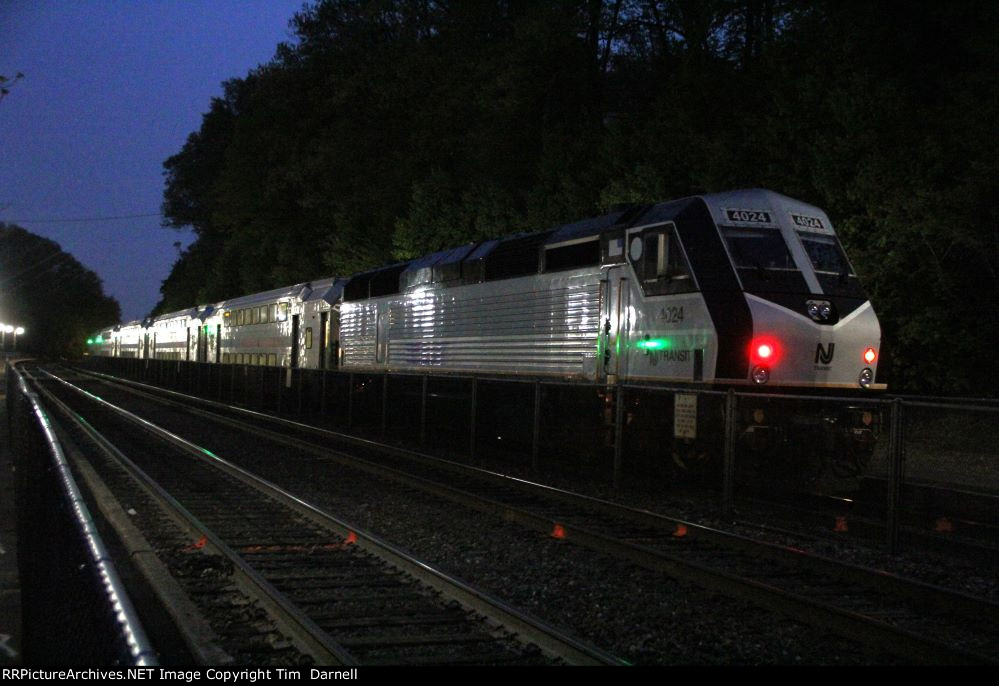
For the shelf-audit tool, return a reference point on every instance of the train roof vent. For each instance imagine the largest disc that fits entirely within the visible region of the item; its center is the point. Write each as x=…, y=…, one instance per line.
x=517, y=256
x=583, y=229
x=583, y=253
x=373, y=284
x=632, y=214
x=441, y=266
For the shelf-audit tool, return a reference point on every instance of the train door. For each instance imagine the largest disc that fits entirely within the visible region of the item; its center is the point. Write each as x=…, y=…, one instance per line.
x=604, y=353
x=202, y=343
x=324, y=336
x=618, y=317
x=381, y=334
x=295, y=319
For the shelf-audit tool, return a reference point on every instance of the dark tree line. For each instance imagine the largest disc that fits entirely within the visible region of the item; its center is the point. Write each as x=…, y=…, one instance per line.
x=58, y=301
x=390, y=128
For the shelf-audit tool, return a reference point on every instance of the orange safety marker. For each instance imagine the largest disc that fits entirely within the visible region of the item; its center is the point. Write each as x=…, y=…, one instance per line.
x=351, y=539
x=558, y=531
x=841, y=526
x=944, y=526
x=681, y=531
x=201, y=542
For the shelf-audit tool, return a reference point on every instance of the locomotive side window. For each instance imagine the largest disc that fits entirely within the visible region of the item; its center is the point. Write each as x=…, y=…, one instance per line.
x=659, y=262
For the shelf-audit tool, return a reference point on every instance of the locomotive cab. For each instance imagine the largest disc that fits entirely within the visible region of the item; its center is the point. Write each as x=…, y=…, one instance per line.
x=812, y=325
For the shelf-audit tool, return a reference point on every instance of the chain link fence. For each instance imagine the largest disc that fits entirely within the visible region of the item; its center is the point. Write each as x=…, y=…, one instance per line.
x=875, y=461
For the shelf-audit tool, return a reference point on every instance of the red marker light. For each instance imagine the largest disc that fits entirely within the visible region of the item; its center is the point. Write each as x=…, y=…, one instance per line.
x=870, y=355
x=764, y=349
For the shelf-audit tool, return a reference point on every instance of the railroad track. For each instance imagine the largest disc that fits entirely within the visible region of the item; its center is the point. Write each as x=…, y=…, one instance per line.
x=835, y=519
x=915, y=621
x=333, y=594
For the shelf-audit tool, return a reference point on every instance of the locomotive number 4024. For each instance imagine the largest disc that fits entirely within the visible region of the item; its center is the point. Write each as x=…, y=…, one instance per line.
x=749, y=216
x=671, y=314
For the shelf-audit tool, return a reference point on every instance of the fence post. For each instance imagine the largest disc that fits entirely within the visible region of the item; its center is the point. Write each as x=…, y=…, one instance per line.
x=475, y=399
x=536, y=439
x=280, y=390
x=299, y=389
x=896, y=474
x=350, y=400
x=728, y=469
x=322, y=399
x=618, y=435
x=385, y=380
x=423, y=411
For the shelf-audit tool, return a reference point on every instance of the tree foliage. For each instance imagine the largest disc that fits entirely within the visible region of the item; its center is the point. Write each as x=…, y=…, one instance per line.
x=58, y=301
x=390, y=128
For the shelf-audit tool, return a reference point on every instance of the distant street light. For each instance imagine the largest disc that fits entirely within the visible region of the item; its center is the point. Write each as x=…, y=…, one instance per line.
x=6, y=329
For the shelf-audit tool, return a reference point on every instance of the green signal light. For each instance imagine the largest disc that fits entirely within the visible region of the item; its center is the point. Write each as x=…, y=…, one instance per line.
x=90, y=341
x=655, y=344
x=99, y=339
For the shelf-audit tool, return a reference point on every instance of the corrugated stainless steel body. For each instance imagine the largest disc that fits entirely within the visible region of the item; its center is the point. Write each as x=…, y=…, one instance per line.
x=543, y=324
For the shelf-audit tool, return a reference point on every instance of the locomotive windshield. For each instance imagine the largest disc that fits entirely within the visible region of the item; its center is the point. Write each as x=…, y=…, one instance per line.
x=758, y=249
x=762, y=259
x=831, y=266
x=825, y=253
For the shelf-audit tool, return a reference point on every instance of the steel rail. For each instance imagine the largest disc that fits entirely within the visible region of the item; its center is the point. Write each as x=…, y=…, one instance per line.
x=140, y=649
x=925, y=593
x=851, y=624
x=551, y=640
x=309, y=637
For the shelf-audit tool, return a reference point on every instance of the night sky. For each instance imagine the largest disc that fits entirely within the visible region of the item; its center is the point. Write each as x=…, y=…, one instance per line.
x=110, y=90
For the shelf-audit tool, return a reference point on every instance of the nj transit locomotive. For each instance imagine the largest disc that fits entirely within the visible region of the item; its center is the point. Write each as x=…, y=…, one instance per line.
x=746, y=288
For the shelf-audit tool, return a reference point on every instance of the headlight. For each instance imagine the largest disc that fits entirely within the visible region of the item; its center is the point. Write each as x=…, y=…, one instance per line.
x=819, y=310
x=761, y=374
x=866, y=378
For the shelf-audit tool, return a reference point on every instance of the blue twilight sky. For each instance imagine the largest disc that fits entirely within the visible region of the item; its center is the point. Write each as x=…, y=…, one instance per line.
x=111, y=89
